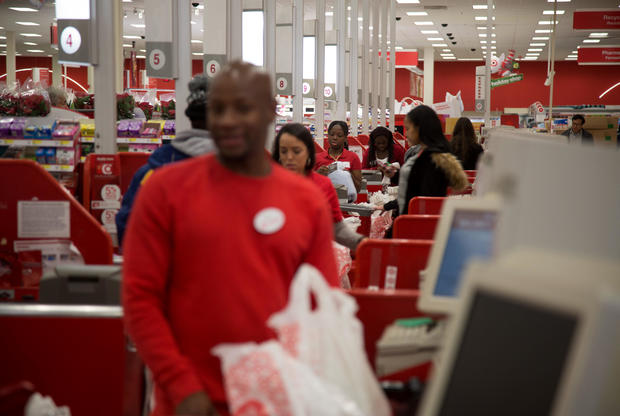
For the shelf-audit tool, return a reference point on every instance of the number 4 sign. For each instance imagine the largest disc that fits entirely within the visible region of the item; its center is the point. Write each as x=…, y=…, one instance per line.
x=74, y=42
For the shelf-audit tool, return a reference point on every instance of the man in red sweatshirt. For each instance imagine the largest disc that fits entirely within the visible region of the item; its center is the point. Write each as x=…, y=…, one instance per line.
x=212, y=247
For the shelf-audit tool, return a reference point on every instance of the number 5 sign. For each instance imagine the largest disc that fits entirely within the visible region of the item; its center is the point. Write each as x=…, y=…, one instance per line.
x=284, y=83
x=159, y=60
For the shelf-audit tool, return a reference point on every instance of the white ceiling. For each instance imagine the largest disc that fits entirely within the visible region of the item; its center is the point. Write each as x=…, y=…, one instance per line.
x=515, y=23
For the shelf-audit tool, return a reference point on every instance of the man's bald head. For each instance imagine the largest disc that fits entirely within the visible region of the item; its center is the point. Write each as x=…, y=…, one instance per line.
x=249, y=78
x=241, y=107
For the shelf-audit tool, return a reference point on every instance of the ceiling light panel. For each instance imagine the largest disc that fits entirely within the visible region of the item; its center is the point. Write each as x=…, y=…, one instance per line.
x=417, y=14
x=30, y=35
x=538, y=44
x=599, y=35
x=558, y=12
x=591, y=40
x=547, y=22
x=540, y=38
x=23, y=9
x=429, y=32
x=543, y=31
x=27, y=23
x=424, y=23
x=434, y=38
x=439, y=45
x=408, y=1
x=479, y=7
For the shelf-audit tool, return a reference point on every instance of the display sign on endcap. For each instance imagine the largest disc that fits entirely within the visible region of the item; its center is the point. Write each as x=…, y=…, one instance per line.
x=213, y=64
x=284, y=83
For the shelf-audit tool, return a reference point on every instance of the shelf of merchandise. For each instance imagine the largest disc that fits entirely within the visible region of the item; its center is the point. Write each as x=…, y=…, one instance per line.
x=138, y=140
x=36, y=142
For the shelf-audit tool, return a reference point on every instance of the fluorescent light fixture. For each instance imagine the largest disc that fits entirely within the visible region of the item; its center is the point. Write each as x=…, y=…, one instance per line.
x=483, y=41
x=142, y=50
x=138, y=25
x=530, y=58
x=468, y=59
x=534, y=50
x=131, y=37
x=599, y=35
x=446, y=50
x=570, y=59
x=449, y=57
x=35, y=50
x=429, y=32
x=571, y=56
x=360, y=19
x=493, y=47
x=439, y=45
x=140, y=56
x=532, y=54
x=329, y=13
x=23, y=9
x=196, y=41
x=197, y=53
x=547, y=22
x=493, y=41
x=480, y=18
x=424, y=23
x=27, y=23
x=434, y=38
x=417, y=14
x=398, y=47
x=543, y=31
x=538, y=44
x=126, y=45
x=30, y=35
x=591, y=40
x=574, y=51
x=482, y=35
x=540, y=38
x=558, y=1
x=30, y=43
x=126, y=1
x=479, y=6
x=201, y=7
x=3, y=45
x=481, y=27
x=408, y=1
x=558, y=12
x=493, y=35
x=193, y=22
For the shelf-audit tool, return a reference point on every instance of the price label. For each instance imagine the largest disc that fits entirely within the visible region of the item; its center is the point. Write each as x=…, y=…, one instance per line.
x=108, y=216
x=111, y=192
x=70, y=40
x=157, y=59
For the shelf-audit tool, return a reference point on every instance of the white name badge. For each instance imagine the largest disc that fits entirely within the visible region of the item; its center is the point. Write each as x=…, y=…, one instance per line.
x=343, y=165
x=269, y=220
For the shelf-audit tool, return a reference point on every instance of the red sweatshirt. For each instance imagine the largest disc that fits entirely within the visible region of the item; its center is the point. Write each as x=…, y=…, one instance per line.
x=198, y=273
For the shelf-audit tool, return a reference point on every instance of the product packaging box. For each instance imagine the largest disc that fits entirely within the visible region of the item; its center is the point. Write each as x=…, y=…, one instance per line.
x=600, y=122
x=450, y=123
x=607, y=136
x=151, y=130
x=65, y=156
x=5, y=127
x=50, y=156
x=40, y=155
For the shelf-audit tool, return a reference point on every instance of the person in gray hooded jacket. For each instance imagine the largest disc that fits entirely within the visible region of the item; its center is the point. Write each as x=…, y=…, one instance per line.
x=188, y=143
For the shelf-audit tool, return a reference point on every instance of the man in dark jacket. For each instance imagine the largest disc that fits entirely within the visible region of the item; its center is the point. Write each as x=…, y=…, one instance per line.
x=577, y=134
x=188, y=143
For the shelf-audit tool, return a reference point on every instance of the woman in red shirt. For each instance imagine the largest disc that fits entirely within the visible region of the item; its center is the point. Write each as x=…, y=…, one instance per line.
x=293, y=148
x=382, y=151
x=337, y=133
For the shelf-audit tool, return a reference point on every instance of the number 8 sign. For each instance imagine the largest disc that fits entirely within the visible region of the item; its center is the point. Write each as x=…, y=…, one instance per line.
x=281, y=84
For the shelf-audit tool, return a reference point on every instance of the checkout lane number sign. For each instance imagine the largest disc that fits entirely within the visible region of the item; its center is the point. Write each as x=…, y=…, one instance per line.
x=157, y=59
x=70, y=40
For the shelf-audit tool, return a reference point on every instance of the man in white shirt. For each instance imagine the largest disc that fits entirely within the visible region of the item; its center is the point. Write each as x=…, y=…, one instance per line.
x=577, y=134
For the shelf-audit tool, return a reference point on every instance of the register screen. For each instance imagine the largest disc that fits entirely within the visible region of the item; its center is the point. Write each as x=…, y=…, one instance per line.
x=470, y=236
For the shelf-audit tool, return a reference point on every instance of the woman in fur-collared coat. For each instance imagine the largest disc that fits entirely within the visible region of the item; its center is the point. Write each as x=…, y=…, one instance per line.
x=433, y=168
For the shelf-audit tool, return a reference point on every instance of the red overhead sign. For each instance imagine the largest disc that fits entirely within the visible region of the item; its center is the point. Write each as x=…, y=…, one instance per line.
x=598, y=55
x=404, y=58
x=596, y=20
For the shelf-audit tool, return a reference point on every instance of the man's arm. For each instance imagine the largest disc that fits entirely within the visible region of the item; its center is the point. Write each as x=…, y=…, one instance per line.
x=146, y=268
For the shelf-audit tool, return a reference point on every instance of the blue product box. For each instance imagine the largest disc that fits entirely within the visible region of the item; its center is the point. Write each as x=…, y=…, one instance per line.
x=40, y=155
x=50, y=155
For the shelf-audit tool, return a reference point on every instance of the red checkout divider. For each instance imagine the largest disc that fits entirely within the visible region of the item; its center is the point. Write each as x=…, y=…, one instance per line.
x=130, y=162
x=426, y=205
x=77, y=355
x=392, y=263
x=25, y=180
x=416, y=227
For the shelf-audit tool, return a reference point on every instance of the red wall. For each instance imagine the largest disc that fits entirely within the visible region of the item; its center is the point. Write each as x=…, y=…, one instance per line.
x=574, y=85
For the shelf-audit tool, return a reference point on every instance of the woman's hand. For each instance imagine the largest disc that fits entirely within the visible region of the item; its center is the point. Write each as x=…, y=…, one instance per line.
x=196, y=404
x=323, y=170
x=379, y=207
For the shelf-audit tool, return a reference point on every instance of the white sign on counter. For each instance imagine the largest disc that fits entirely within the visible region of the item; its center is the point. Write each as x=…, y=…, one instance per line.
x=43, y=219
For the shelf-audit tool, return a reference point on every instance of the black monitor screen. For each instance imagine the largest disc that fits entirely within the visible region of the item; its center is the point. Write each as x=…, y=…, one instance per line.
x=510, y=359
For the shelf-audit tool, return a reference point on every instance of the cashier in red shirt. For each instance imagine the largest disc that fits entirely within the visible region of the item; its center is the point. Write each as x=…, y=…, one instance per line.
x=346, y=160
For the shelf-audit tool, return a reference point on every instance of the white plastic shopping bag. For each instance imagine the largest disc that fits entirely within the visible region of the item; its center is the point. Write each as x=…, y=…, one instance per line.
x=329, y=339
x=380, y=222
x=264, y=380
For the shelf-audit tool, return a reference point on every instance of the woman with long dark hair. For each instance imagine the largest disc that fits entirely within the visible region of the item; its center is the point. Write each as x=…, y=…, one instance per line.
x=293, y=148
x=464, y=144
x=337, y=133
x=433, y=168
x=382, y=154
